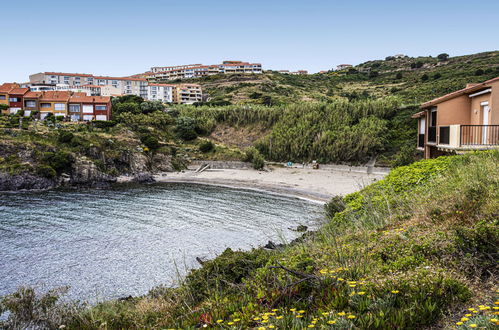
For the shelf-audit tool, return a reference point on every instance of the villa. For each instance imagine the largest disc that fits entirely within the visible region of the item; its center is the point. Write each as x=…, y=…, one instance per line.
x=464, y=120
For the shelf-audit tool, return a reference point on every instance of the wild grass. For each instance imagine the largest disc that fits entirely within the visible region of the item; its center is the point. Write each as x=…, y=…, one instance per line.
x=417, y=249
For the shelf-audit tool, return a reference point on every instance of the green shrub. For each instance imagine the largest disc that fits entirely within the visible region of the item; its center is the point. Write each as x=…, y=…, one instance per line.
x=186, y=128
x=46, y=171
x=65, y=137
x=150, y=142
x=60, y=161
x=258, y=161
x=206, y=146
x=335, y=205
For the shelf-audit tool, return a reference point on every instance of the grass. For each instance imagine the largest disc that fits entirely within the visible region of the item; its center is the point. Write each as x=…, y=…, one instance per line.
x=417, y=249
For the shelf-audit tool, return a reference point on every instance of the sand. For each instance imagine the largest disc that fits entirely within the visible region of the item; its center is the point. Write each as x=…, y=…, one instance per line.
x=317, y=185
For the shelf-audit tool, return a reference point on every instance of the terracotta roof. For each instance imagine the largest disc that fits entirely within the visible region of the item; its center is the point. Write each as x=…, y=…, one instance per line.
x=56, y=96
x=166, y=85
x=33, y=95
x=119, y=78
x=89, y=99
x=457, y=93
x=7, y=87
x=419, y=114
x=19, y=91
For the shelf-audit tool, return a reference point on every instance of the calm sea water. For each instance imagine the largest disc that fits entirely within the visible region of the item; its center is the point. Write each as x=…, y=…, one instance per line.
x=108, y=243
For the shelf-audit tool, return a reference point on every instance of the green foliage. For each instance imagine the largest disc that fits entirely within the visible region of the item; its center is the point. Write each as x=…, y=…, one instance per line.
x=151, y=106
x=186, y=128
x=60, y=161
x=206, y=146
x=65, y=137
x=128, y=107
x=443, y=57
x=150, y=142
x=335, y=205
x=46, y=171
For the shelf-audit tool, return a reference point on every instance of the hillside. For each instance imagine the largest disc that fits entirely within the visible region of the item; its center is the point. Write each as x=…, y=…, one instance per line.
x=415, y=250
x=414, y=80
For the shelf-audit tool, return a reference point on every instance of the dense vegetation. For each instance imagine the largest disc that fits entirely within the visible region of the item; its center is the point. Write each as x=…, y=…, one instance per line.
x=417, y=249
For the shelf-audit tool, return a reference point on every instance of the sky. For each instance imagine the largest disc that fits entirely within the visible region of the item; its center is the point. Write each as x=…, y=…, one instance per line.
x=120, y=38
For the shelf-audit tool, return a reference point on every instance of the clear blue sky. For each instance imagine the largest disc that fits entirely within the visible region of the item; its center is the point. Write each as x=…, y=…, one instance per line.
x=110, y=37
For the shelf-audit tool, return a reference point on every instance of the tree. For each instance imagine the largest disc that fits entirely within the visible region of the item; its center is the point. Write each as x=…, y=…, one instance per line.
x=131, y=107
x=479, y=72
x=186, y=128
x=3, y=107
x=151, y=106
x=437, y=76
x=443, y=56
x=127, y=99
x=424, y=77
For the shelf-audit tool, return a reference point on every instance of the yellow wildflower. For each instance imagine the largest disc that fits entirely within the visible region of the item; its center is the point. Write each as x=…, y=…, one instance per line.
x=361, y=293
x=293, y=309
x=275, y=310
x=471, y=309
x=342, y=313
x=473, y=325
x=299, y=316
x=494, y=320
x=314, y=321
x=459, y=323
x=220, y=321
x=230, y=323
x=311, y=326
x=464, y=319
x=352, y=285
x=331, y=322
x=271, y=326
x=467, y=315
x=237, y=320
x=350, y=316
x=301, y=311
x=325, y=314
x=261, y=328
x=256, y=319
x=395, y=291
x=265, y=321
x=279, y=317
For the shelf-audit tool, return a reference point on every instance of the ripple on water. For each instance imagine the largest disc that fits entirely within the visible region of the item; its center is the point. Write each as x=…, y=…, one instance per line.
x=125, y=240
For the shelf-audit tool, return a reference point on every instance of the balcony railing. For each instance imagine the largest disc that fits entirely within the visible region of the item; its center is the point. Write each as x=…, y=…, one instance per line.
x=432, y=134
x=479, y=135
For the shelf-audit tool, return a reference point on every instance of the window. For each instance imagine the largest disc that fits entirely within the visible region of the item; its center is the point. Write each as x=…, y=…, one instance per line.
x=14, y=99
x=75, y=117
x=101, y=107
x=101, y=117
x=88, y=109
x=45, y=105
x=59, y=107
x=3, y=97
x=88, y=117
x=30, y=104
x=74, y=108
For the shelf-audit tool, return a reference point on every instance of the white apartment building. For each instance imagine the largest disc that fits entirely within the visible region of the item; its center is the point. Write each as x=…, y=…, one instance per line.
x=199, y=70
x=160, y=92
x=125, y=85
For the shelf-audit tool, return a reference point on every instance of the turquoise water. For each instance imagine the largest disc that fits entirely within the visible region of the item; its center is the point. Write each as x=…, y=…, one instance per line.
x=109, y=243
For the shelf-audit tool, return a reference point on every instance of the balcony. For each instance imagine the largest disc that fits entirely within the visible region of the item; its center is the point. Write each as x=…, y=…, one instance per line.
x=466, y=137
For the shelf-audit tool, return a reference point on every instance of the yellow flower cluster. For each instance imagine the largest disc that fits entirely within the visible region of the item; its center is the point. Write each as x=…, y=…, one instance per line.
x=485, y=310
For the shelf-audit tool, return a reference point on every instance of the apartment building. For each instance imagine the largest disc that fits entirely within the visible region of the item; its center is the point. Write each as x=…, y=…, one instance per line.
x=199, y=70
x=160, y=92
x=464, y=120
x=108, y=86
x=187, y=94
x=124, y=85
x=88, y=108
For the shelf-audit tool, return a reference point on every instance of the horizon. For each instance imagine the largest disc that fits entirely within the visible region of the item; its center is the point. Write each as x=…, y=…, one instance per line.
x=118, y=39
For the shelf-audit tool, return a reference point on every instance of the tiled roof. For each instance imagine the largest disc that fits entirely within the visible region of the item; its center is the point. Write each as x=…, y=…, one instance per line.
x=7, y=87
x=89, y=99
x=460, y=92
x=56, y=96
x=164, y=85
x=33, y=95
x=68, y=74
x=19, y=91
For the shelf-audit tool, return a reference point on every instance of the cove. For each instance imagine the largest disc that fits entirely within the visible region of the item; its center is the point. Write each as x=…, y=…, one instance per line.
x=125, y=240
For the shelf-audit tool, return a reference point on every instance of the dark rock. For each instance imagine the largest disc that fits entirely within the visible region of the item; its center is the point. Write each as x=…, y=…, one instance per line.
x=272, y=246
x=25, y=181
x=300, y=228
x=143, y=178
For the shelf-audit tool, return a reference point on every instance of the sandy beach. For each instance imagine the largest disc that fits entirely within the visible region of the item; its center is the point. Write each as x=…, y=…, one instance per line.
x=318, y=185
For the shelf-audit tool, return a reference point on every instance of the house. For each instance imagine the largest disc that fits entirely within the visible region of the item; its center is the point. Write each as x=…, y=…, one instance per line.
x=464, y=120
x=343, y=67
x=87, y=108
x=54, y=102
x=31, y=102
x=4, y=94
x=16, y=99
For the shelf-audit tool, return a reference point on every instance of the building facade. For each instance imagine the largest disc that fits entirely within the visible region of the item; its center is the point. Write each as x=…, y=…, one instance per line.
x=467, y=119
x=160, y=92
x=199, y=70
x=187, y=94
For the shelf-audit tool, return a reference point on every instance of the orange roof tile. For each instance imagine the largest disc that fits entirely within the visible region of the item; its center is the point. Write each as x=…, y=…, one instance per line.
x=33, y=95
x=56, y=96
x=457, y=93
x=19, y=91
x=90, y=99
x=7, y=87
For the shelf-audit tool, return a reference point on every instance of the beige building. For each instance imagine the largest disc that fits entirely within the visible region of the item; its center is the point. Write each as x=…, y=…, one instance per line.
x=467, y=119
x=187, y=93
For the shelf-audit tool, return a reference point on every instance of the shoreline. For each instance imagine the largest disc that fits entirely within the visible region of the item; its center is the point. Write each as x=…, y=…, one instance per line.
x=317, y=186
